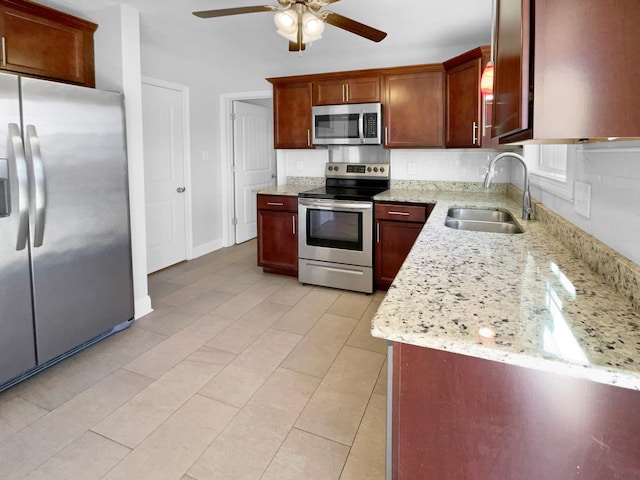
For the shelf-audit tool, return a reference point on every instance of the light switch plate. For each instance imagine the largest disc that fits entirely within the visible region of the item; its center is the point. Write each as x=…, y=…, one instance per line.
x=411, y=168
x=582, y=199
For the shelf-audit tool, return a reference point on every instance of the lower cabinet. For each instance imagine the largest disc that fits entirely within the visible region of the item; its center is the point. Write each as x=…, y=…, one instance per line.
x=278, y=234
x=463, y=418
x=397, y=227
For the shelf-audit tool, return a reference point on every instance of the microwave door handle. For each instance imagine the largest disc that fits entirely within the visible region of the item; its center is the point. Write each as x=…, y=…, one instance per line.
x=361, y=126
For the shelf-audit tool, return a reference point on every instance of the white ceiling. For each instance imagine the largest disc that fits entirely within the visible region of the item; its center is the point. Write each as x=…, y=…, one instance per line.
x=412, y=26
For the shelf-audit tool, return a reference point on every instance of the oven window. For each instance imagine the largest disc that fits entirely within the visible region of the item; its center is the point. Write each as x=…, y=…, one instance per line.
x=337, y=126
x=334, y=229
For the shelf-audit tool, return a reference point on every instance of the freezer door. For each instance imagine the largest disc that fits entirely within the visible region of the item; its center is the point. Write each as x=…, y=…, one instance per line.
x=17, y=351
x=80, y=234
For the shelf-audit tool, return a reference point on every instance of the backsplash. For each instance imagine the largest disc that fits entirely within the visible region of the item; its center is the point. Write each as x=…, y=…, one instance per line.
x=613, y=172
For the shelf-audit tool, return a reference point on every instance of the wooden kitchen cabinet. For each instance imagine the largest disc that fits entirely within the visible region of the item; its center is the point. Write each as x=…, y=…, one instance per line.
x=397, y=227
x=278, y=234
x=328, y=90
x=559, y=81
x=464, y=418
x=464, y=116
x=414, y=107
x=292, y=113
x=41, y=42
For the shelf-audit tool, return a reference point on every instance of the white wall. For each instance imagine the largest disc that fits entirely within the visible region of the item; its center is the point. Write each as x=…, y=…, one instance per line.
x=613, y=171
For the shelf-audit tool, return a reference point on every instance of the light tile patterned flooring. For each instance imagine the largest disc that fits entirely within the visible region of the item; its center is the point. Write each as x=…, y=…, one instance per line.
x=235, y=375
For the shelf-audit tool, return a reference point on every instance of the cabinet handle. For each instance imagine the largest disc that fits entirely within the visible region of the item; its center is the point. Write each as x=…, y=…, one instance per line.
x=475, y=133
x=4, y=53
x=399, y=213
x=275, y=204
x=293, y=223
x=344, y=96
x=377, y=232
x=386, y=136
x=347, y=96
x=308, y=137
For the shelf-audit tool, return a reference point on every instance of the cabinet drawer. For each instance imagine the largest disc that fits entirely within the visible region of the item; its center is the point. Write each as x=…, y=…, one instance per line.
x=284, y=203
x=401, y=213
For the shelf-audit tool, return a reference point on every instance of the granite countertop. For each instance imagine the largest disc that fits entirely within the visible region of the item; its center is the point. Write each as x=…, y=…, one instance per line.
x=547, y=308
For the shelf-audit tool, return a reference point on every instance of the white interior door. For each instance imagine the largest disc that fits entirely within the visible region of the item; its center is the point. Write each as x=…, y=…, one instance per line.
x=254, y=163
x=164, y=167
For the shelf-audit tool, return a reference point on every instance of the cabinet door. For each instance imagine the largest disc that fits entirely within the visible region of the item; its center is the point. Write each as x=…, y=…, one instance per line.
x=363, y=90
x=463, y=113
x=513, y=86
x=414, y=110
x=292, y=115
x=45, y=43
x=329, y=92
x=588, y=70
x=346, y=90
x=278, y=241
x=393, y=243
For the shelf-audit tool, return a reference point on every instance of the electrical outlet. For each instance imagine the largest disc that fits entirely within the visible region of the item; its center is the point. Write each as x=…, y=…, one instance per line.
x=582, y=199
x=411, y=168
x=299, y=165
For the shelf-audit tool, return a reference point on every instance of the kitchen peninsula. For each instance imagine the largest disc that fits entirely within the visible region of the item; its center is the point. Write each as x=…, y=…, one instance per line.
x=552, y=390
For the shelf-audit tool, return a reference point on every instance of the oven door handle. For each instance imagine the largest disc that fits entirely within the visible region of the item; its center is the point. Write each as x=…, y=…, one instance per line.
x=335, y=205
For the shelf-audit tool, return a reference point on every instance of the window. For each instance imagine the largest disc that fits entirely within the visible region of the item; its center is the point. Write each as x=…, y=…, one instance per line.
x=552, y=168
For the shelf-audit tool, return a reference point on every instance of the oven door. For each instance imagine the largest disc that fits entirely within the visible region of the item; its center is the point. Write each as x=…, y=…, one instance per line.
x=339, y=231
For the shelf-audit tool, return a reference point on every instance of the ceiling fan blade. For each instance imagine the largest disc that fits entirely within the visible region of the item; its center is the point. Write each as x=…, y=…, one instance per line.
x=223, y=12
x=293, y=47
x=352, y=26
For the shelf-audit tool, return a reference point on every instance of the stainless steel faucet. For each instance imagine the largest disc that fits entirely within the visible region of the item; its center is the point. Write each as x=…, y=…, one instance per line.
x=526, y=196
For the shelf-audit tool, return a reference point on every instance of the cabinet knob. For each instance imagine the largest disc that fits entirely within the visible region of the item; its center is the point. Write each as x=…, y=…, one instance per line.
x=180, y=189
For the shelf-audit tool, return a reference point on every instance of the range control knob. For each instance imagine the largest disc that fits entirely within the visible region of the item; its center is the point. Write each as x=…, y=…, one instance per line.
x=368, y=169
x=375, y=169
x=330, y=168
x=381, y=169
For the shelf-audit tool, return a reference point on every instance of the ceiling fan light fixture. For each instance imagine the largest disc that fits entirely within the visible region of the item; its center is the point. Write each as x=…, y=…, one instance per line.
x=287, y=22
x=312, y=27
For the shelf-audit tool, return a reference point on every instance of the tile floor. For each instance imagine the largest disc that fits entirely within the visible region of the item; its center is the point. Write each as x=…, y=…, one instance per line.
x=235, y=375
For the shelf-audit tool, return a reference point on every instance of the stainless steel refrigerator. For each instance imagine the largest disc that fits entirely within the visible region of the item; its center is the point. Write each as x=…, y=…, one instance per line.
x=65, y=249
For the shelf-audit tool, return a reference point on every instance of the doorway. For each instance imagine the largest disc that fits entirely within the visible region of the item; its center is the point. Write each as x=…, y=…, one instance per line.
x=165, y=111
x=249, y=160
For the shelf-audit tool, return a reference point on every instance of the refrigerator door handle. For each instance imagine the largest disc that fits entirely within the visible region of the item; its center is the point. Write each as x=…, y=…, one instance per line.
x=17, y=151
x=39, y=194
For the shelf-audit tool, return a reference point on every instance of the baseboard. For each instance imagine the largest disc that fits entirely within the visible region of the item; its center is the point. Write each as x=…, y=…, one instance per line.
x=142, y=307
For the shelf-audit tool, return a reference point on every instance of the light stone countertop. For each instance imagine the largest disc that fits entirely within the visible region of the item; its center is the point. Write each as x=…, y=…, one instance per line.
x=548, y=310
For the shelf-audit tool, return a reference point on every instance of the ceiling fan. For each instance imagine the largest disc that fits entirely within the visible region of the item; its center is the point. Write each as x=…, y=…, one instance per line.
x=301, y=21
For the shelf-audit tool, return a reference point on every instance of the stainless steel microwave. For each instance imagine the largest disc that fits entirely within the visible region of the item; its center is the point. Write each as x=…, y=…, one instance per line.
x=355, y=124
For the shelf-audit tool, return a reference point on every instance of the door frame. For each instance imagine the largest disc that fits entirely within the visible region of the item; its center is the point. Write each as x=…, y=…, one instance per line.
x=186, y=126
x=226, y=155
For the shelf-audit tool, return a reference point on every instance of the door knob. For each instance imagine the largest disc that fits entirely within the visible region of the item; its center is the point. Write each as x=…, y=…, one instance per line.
x=180, y=189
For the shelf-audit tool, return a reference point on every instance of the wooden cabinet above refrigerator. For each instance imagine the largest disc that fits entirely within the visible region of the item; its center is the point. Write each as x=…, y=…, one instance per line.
x=41, y=42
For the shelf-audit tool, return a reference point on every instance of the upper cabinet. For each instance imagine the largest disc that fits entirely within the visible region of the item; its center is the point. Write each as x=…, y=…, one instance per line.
x=42, y=42
x=291, y=113
x=557, y=80
x=413, y=107
x=465, y=112
x=329, y=90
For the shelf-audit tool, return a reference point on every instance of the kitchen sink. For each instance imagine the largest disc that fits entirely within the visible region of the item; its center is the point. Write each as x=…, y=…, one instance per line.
x=493, y=220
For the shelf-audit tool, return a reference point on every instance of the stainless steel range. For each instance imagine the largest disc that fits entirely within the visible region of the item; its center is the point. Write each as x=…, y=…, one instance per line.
x=335, y=240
